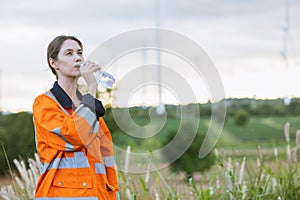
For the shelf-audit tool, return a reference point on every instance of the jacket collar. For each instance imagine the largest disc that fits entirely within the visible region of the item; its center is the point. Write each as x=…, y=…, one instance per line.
x=62, y=97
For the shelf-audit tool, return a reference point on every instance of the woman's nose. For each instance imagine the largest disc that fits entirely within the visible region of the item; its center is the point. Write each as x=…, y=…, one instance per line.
x=78, y=58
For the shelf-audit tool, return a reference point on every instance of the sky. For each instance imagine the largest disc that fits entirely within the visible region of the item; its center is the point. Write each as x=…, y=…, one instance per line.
x=245, y=40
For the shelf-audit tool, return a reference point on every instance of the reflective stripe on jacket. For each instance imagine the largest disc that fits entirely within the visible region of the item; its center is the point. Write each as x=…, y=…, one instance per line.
x=75, y=150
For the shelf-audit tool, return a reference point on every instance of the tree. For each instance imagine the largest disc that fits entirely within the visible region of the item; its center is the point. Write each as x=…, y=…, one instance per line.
x=241, y=117
x=189, y=162
x=294, y=106
x=17, y=137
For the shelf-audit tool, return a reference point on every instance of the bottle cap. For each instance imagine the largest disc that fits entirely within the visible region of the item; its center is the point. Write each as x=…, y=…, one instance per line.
x=78, y=64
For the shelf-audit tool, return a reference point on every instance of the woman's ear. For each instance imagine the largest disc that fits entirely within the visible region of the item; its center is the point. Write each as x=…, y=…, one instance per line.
x=53, y=63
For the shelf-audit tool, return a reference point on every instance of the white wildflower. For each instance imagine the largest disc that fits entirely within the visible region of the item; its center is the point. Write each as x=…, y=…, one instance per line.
x=274, y=184
x=258, y=162
x=128, y=194
x=216, y=153
x=298, y=139
x=268, y=183
x=22, y=170
x=211, y=189
x=244, y=190
x=229, y=164
x=147, y=176
x=288, y=151
x=236, y=172
x=229, y=184
x=217, y=182
x=262, y=176
x=34, y=166
x=287, y=138
x=242, y=171
x=294, y=154
x=276, y=153
x=287, y=132
x=19, y=183
x=260, y=155
x=156, y=195
x=7, y=193
x=127, y=158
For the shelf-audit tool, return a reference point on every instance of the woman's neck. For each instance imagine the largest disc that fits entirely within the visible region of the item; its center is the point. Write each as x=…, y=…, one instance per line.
x=70, y=87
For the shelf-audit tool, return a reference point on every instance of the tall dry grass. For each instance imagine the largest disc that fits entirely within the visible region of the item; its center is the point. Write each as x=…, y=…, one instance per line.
x=229, y=179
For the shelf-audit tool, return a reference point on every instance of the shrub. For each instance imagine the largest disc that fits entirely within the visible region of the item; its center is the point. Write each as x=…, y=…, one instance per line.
x=189, y=162
x=241, y=117
x=16, y=137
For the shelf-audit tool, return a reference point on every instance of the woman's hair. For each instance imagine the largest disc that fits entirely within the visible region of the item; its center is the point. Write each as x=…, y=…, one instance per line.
x=55, y=46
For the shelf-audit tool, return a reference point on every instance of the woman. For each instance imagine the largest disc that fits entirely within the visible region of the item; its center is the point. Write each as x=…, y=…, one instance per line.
x=73, y=141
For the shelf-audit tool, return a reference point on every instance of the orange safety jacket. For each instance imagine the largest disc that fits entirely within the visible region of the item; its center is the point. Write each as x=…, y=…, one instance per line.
x=75, y=148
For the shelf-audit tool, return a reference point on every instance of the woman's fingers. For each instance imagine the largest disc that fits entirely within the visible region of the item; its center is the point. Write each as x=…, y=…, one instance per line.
x=89, y=66
x=87, y=70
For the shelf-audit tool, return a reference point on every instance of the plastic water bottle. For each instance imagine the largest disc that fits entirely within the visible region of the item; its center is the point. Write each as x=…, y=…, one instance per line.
x=103, y=78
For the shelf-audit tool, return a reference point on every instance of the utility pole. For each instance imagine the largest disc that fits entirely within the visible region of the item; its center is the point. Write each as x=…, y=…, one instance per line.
x=161, y=107
x=144, y=60
x=285, y=51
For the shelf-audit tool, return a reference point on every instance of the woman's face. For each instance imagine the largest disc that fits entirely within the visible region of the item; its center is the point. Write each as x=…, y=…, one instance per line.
x=68, y=56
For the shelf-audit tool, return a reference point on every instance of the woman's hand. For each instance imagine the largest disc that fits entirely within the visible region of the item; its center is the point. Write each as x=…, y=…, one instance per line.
x=87, y=69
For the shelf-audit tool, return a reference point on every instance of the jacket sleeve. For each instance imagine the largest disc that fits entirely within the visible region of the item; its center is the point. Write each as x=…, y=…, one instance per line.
x=106, y=139
x=61, y=130
x=108, y=156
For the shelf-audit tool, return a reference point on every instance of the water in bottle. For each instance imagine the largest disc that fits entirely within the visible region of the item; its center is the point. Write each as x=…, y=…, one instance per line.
x=103, y=78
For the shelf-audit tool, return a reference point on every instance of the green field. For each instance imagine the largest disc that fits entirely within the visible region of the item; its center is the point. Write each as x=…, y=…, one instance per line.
x=240, y=172
x=265, y=131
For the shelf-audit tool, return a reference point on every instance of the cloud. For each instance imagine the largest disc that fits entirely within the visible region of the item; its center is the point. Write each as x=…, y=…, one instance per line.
x=242, y=37
x=75, y=12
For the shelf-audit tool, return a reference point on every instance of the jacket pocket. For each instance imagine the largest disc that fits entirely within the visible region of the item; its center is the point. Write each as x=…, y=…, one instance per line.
x=73, y=182
x=111, y=179
x=111, y=188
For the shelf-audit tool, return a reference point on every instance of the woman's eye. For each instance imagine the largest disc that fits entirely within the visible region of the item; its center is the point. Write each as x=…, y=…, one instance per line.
x=79, y=53
x=69, y=53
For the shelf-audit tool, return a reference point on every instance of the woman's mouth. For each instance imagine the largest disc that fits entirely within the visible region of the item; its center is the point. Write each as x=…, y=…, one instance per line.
x=78, y=64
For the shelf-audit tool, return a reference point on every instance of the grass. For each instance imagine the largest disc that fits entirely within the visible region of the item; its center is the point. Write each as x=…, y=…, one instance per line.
x=244, y=169
x=229, y=178
x=263, y=130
